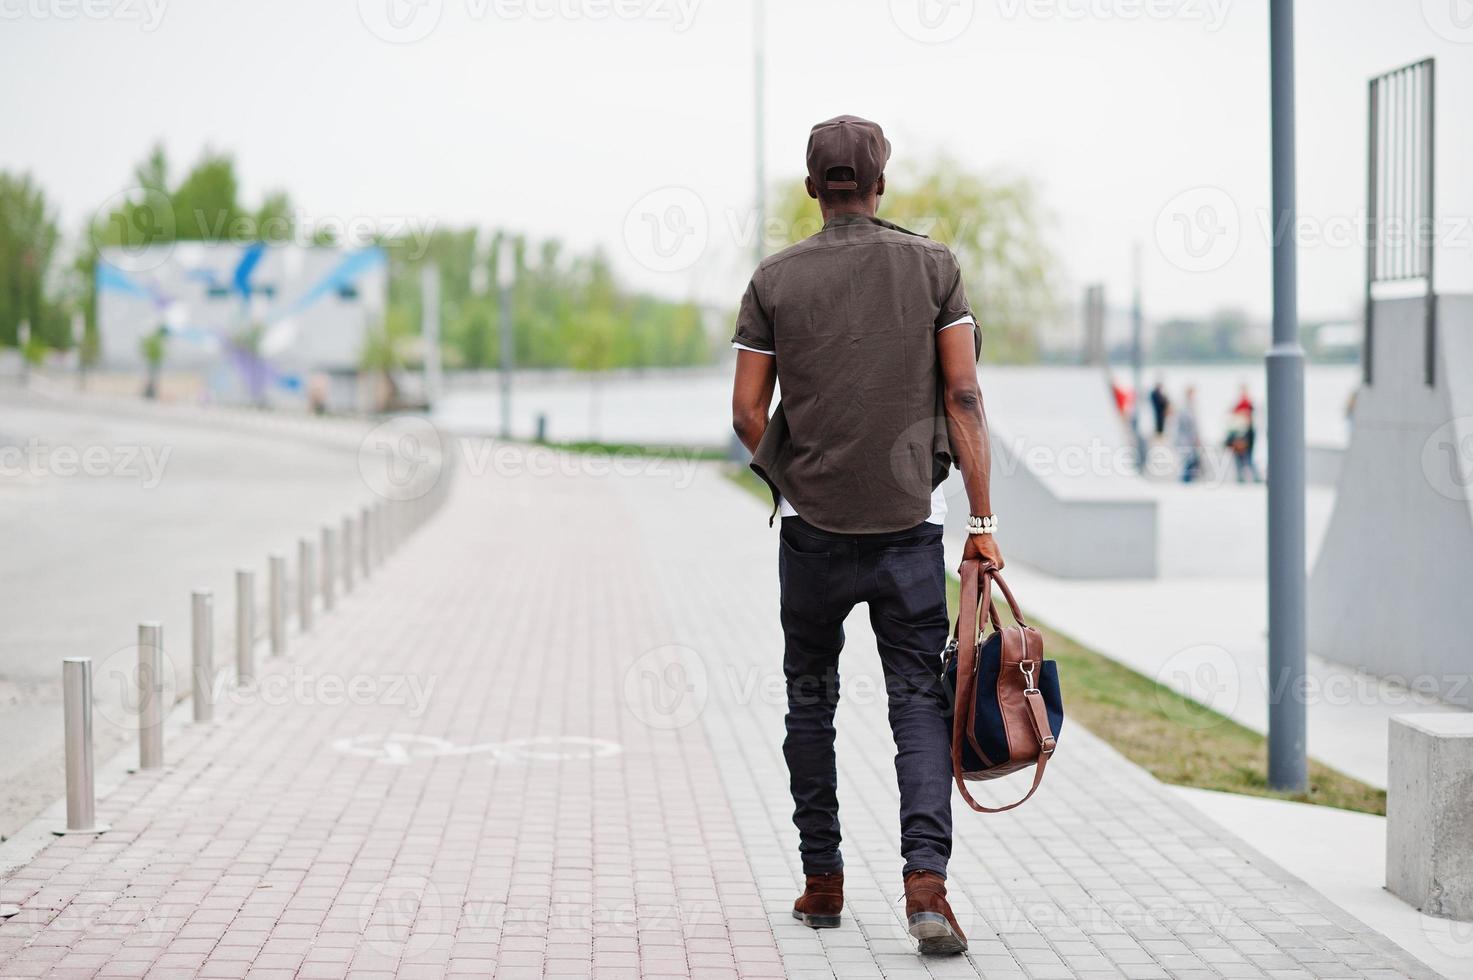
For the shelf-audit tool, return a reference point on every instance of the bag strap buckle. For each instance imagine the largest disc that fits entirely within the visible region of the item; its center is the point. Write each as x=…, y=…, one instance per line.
x=1027, y=667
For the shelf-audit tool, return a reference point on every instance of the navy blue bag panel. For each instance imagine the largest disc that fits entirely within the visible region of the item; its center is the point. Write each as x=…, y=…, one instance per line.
x=988, y=727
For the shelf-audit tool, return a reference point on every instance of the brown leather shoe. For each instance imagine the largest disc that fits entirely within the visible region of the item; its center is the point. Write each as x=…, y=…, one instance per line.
x=928, y=915
x=822, y=900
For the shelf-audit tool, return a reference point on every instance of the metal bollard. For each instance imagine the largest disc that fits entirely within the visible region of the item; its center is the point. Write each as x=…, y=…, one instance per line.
x=306, y=577
x=348, y=552
x=81, y=794
x=365, y=541
x=379, y=550
x=245, y=626
x=276, y=582
x=150, y=696
x=202, y=634
x=329, y=554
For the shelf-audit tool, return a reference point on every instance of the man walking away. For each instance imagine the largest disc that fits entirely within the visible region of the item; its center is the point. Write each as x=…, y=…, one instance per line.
x=867, y=327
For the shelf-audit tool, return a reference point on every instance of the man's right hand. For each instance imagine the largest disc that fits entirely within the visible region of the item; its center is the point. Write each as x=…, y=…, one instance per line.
x=983, y=548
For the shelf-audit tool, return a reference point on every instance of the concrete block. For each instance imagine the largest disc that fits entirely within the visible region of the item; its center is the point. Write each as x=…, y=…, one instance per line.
x=1404, y=507
x=1429, y=813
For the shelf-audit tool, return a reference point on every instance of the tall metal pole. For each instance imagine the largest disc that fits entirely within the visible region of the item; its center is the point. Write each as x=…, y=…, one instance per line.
x=1094, y=325
x=22, y=342
x=759, y=81
x=429, y=282
x=1287, y=761
x=1137, y=356
x=506, y=271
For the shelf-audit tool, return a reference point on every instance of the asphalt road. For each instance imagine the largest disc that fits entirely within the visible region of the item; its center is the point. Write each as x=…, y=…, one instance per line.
x=108, y=519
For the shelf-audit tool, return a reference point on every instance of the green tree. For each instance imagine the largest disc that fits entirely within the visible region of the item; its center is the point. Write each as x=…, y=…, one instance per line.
x=593, y=353
x=568, y=310
x=28, y=243
x=996, y=229
x=206, y=203
x=273, y=219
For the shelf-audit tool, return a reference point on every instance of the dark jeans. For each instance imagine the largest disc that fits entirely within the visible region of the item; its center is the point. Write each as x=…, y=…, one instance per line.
x=901, y=576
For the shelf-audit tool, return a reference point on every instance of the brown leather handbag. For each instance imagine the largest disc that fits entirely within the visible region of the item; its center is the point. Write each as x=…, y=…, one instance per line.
x=1007, y=709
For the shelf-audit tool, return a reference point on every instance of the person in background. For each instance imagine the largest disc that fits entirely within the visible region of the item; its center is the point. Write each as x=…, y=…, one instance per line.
x=1160, y=408
x=1124, y=397
x=1242, y=437
x=317, y=391
x=1188, y=438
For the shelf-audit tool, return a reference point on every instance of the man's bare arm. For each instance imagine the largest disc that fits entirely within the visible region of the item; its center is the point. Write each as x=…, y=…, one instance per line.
x=966, y=424
x=751, y=396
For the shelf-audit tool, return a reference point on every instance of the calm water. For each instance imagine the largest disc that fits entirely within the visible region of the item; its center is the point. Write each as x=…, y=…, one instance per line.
x=692, y=408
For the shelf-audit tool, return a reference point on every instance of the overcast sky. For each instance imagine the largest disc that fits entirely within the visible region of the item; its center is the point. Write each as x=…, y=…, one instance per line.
x=613, y=121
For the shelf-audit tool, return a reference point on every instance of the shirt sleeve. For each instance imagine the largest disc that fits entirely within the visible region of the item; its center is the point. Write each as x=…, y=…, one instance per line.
x=753, y=326
x=954, y=308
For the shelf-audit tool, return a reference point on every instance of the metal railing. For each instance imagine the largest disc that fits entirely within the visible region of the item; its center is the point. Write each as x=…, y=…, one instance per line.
x=1400, y=212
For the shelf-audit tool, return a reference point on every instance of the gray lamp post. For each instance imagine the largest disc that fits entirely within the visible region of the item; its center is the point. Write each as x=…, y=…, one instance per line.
x=759, y=81
x=1287, y=760
x=506, y=274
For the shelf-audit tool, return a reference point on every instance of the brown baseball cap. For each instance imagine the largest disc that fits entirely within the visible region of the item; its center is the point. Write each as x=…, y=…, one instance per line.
x=847, y=141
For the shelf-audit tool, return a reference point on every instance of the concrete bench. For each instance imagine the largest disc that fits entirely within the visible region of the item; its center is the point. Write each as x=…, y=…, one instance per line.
x=1429, y=813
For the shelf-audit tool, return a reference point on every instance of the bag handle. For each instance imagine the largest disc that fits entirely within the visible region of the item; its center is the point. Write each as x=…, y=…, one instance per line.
x=989, y=574
x=976, y=595
x=984, y=573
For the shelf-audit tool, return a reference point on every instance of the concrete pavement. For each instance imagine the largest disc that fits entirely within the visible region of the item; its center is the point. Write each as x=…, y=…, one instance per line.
x=563, y=758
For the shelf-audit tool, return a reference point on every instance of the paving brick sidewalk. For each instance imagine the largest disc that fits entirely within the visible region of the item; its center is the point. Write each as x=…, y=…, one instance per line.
x=563, y=758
